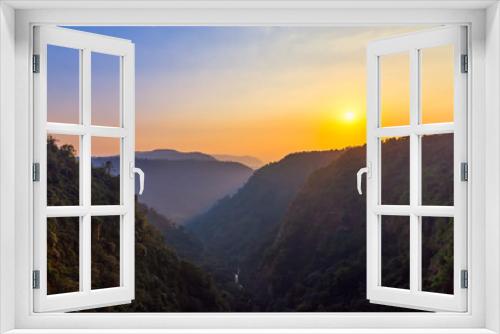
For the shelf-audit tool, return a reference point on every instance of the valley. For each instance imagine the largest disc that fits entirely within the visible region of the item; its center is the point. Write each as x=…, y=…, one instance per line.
x=287, y=237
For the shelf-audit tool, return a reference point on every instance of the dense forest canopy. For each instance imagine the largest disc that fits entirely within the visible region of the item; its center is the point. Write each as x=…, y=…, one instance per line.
x=164, y=282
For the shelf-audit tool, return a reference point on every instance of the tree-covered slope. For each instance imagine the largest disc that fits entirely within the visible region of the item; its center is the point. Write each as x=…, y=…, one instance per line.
x=163, y=281
x=317, y=262
x=177, y=237
x=239, y=225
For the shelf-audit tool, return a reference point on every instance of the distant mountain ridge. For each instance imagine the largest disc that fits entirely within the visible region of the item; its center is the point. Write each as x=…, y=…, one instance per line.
x=246, y=160
x=182, y=189
x=174, y=155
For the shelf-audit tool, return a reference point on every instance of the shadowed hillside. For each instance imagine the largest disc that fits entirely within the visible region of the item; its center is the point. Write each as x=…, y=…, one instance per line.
x=164, y=283
x=317, y=262
x=184, y=242
x=296, y=236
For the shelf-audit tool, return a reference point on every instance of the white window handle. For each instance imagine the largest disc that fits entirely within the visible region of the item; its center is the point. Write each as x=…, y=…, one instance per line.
x=358, y=176
x=135, y=170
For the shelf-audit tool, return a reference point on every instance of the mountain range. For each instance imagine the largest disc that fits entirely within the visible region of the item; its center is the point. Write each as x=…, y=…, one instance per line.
x=173, y=155
x=170, y=154
x=182, y=185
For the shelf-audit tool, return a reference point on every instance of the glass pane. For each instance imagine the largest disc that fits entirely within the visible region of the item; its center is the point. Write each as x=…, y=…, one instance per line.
x=437, y=254
x=437, y=84
x=396, y=251
x=394, y=89
x=105, y=89
x=105, y=252
x=437, y=170
x=395, y=170
x=106, y=171
x=63, y=170
x=63, y=262
x=63, y=84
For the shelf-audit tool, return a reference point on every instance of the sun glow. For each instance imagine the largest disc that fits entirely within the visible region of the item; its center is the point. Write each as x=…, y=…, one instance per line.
x=349, y=116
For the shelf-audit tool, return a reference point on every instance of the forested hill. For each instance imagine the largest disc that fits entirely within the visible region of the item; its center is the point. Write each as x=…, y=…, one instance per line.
x=296, y=232
x=239, y=225
x=317, y=262
x=163, y=282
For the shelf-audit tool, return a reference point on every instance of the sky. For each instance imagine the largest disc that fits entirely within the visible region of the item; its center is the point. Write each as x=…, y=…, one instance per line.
x=259, y=91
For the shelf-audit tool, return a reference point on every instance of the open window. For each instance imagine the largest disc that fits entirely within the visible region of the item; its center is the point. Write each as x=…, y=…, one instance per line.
x=417, y=96
x=87, y=220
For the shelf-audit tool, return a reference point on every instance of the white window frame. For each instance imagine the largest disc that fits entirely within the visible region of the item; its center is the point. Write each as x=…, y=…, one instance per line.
x=85, y=43
x=18, y=17
x=411, y=44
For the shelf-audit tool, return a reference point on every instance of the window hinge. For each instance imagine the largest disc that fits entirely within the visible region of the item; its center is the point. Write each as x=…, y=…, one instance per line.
x=464, y=171
x=464, y=279
x=36, y=279
x=36, y=172
x=465, y=64
x=36, y=63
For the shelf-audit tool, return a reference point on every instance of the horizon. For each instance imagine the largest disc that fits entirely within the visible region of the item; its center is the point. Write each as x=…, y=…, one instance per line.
x=213, y=155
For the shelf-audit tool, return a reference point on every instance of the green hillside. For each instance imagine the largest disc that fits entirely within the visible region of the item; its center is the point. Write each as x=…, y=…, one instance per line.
x=164, y=283
x=317, y=261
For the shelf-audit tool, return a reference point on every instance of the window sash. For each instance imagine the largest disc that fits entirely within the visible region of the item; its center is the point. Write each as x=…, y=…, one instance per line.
x=414, y=297
x=86, y=43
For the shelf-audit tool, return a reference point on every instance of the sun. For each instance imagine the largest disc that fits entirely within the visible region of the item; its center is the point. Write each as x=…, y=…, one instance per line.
x=349, y=116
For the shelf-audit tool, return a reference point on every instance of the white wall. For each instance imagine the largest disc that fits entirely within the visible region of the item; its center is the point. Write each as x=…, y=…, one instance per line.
x=7, y=160
x=492, y=211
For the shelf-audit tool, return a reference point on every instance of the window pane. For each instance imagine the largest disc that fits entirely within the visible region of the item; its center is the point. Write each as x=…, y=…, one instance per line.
x=396, y=251
x=395, y=170
x=394, y=89
x=63, y=84
x=437, y=170
x=105, y=89
x=63, y=170
x=106, y=171
x=437, y=84
x=437, y=254
x=105, y=252
x=63, y=260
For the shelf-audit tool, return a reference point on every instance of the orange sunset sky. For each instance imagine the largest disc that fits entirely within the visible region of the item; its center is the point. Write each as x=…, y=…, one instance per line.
x=259, y=91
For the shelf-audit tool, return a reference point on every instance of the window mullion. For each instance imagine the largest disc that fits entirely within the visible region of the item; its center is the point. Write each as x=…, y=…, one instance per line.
x=86, y=175
x=415, y=249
